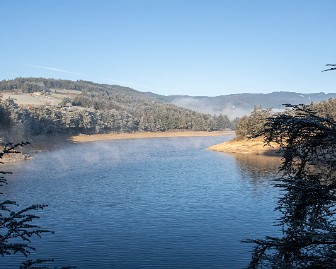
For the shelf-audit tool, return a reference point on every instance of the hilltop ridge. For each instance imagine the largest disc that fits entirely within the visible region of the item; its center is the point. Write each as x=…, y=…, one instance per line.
x=38, y=106
x=233, y=105
x=237, y=105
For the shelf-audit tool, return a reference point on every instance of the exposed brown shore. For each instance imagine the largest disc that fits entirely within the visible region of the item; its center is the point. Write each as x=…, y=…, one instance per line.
x=247, y=146
x=115, y=136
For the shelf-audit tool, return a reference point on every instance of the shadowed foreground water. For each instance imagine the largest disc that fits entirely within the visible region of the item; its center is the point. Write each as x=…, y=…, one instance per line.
x=146, y=203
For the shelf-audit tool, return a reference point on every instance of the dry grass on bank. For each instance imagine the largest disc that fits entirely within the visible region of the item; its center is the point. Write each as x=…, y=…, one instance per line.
x=114, y=136
x=247, y=146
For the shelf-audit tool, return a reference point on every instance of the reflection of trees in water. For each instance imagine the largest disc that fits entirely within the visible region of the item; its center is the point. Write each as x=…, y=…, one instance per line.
x=308, y=201
x=258, y=167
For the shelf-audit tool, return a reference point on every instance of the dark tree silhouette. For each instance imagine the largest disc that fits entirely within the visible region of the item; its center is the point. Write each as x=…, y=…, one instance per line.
x=308, y=203
x=331, y=68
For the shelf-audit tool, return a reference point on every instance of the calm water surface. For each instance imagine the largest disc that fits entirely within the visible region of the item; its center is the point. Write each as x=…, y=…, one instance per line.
x=146, y=203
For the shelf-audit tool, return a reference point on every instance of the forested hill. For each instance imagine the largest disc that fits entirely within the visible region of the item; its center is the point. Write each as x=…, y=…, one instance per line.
x=50, y=106
x=237, y=105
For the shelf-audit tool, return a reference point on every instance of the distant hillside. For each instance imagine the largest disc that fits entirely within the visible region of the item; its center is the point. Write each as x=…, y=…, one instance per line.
x=52, y=105
x=38, y=106
x=237, y=105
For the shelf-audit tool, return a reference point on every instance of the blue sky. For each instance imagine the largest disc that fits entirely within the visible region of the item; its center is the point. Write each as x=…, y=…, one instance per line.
x=169, y=47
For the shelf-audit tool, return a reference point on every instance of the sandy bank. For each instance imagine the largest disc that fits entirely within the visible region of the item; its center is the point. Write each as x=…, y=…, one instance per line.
x=247, y=146
x=15, y=157
x=113, y=136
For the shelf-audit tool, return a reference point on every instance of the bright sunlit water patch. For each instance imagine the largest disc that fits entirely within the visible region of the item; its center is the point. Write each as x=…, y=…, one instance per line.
x=146, y=203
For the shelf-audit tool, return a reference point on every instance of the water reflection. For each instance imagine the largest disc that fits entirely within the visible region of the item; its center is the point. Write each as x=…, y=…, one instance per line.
x=258, y=167
x=155, y=203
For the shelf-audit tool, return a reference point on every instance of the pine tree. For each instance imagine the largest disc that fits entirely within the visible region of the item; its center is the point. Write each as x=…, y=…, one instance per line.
x=307, y=207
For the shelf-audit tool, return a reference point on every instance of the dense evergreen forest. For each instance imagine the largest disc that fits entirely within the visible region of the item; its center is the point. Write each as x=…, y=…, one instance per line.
x=87, y=107
x=252, y=125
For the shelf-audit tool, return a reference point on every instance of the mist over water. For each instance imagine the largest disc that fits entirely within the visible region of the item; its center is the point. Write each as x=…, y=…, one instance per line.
x=146, y=203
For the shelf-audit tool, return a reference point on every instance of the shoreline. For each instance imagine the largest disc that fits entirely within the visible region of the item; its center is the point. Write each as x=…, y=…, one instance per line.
x=254, y=146
x=118, y=136
x=44, y=143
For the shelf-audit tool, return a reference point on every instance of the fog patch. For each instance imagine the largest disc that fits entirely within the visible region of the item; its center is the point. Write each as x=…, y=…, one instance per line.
x=97, y=152
x=194, y=104
x=278, y=110
x=233, y=111
x=205, y=106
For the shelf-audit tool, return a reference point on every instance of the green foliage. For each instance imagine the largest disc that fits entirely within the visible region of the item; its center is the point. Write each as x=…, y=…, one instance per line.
x=253, y=125
x=325, y=109
x=308, y=184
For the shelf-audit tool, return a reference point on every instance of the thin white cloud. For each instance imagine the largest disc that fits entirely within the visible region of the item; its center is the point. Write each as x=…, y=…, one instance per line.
x=51, y=69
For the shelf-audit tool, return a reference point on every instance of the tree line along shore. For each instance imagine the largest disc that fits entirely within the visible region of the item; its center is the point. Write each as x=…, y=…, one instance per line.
x=250, y=128
x=36, y=106
x=306, y=134
x=87, y=111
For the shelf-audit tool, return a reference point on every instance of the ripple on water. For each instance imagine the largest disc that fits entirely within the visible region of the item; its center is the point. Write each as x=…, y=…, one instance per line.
x=148, y=203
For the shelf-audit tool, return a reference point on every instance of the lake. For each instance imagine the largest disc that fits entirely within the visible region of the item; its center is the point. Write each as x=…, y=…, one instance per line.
x=146, y=203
